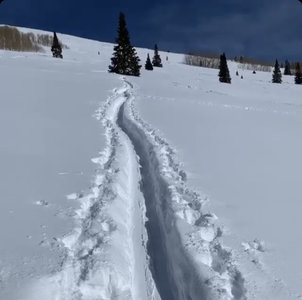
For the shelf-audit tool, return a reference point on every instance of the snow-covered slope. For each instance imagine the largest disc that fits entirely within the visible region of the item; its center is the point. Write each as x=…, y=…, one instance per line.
x=95, y=204
x=48, y=137
x=241, y=146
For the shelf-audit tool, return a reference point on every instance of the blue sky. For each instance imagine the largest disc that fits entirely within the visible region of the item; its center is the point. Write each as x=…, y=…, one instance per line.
x=264, y=29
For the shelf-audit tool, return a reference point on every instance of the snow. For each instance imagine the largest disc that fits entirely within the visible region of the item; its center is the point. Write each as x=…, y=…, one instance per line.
x=240, y=145
x=95, y=266
x=167, y=186
x=48, y=136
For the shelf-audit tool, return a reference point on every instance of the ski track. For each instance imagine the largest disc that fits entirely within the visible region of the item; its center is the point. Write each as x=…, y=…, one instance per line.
x=141, y=231
x=199, y=265
x=172, y=271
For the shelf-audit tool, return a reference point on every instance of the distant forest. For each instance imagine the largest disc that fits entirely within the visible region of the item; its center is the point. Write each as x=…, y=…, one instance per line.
x=211, y=60
x=13, y=39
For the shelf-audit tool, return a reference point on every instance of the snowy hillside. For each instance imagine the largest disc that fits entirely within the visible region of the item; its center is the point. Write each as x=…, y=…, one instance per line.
x=166, y=186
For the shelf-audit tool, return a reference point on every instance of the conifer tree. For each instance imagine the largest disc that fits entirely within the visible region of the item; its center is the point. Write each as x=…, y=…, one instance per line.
x=124, y=60
x=277, y=76
x=298, y=75
x=287, y=70
x=224, y=74
x=56, y=48
x=148, y=65
x=156, y=61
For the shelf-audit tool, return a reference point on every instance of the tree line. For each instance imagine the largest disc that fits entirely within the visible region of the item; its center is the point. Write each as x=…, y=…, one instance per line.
x=125, y=60
x=13, y=39
x=277, y=74
x=224, y=74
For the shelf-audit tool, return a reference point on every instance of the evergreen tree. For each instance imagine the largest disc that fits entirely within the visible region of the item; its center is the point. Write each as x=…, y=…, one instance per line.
x=148, y=65
x=287, y=70
x=124, y=60
x=277, y=76
x=56, y=48
x=156, y=61
x=298, y=77
x=224, y=74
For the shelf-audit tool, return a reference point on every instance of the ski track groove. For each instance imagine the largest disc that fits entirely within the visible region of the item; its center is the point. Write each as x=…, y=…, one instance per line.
x=175, y=197
x=173, y=278
x=178, y=250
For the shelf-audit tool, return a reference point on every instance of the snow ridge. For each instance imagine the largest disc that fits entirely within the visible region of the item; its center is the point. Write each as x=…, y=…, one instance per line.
x=215, y=274
x=106, y=256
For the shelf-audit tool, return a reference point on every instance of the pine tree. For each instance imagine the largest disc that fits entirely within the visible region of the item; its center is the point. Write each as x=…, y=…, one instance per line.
x=148, y=65
x=277, y=76
x=287, y=70
x=124, y=60
x=298, y=77
x=224, y=74
x=56, y=48
x=156, y=61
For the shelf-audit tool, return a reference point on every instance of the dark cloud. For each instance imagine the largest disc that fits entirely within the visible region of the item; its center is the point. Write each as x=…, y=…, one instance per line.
x=263, y=29
x=256, y=29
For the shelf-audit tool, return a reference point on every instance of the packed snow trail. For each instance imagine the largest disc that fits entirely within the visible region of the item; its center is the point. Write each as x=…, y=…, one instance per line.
x=173, y=272
x=188, y=261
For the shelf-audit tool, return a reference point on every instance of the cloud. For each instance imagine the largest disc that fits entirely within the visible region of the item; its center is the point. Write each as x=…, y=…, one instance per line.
x=258, y=29
x=263, y=29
